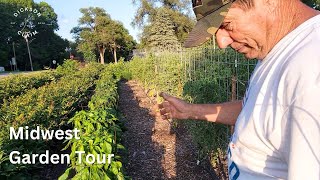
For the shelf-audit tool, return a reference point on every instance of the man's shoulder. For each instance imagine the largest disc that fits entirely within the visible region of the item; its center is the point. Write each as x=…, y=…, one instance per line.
x=302, y=69
x=306, y=55
x=304, y=51
x=301, y=48
x=306, y=41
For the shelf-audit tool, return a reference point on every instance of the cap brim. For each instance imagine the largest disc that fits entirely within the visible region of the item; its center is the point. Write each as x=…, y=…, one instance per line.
x=211, y=23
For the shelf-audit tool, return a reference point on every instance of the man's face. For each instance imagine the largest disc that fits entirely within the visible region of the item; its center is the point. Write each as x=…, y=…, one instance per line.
x=245, y=31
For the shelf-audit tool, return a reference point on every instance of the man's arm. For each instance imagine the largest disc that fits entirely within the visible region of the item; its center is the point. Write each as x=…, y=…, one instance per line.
x=224, y=113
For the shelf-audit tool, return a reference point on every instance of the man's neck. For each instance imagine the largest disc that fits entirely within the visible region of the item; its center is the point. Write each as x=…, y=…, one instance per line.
x=289, y=15
x=302, y=14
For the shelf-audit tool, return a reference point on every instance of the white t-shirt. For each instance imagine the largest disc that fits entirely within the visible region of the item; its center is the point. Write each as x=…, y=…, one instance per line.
x=277, y=134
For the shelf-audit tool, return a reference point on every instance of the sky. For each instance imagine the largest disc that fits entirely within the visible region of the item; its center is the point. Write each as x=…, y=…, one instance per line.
x=68, y=13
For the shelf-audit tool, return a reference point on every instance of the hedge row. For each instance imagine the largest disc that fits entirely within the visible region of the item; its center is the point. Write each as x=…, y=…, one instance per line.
x=49, y=107
x=18, y=84
x=15, y=85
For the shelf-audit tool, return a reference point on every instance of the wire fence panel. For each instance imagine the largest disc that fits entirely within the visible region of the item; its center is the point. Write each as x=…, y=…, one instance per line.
x=223, y=67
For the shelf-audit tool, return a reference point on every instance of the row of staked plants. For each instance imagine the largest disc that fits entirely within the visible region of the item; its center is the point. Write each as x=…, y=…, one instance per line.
x=100, y=132
x=50, y=106
x=202, y=75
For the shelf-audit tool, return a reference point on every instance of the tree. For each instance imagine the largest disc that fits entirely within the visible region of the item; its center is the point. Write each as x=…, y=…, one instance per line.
x=178, y=11
x=118, y=36
x=91, y=23
x=98, y=31
x=164, y=37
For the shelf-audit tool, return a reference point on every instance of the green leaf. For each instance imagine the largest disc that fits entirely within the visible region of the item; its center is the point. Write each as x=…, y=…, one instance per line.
x=65, y=175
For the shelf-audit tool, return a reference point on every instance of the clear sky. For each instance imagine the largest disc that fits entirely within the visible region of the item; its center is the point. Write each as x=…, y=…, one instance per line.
x=68, y=13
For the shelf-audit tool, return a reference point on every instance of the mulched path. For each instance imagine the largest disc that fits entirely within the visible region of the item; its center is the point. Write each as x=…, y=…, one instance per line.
x=155, y=149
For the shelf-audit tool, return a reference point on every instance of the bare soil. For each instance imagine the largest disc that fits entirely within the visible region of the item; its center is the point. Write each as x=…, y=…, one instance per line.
x=156, y=150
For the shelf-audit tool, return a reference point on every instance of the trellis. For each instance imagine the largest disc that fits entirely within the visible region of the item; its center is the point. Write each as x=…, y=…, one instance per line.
x=231, y=69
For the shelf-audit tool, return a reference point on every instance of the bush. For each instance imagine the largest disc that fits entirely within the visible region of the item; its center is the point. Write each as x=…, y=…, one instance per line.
x=68, y=67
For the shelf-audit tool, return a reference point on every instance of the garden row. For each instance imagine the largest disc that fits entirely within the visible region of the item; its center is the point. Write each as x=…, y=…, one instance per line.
x=49, y=107
x=100, y=133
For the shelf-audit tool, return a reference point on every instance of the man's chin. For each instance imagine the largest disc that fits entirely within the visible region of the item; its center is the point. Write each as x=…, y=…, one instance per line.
x=247, y=52
x=250, y=55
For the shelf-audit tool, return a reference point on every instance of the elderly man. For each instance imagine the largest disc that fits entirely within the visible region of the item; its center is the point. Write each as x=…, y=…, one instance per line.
x=277, y=125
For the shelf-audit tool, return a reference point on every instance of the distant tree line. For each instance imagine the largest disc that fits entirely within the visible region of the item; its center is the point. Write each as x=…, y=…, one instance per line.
x=164, y=24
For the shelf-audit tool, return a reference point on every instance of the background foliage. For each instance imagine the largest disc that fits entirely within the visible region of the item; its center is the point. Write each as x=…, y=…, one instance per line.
x=313, y=3
x=175, y=16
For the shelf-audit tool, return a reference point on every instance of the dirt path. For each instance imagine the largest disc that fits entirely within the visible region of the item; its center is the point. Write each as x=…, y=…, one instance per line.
x=155, y=151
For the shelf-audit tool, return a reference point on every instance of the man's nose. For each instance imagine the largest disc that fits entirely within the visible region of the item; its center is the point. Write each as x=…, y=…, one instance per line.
x=223, y=38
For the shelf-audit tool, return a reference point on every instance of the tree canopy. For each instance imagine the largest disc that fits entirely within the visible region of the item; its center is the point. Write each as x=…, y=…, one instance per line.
x=164, y=37
x=98, y=32
x=177, y=12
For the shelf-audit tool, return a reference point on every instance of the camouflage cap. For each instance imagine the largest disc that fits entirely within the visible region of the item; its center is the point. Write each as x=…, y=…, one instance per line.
x=210, y=14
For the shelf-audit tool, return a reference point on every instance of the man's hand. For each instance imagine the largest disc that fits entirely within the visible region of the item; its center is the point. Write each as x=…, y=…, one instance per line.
x=173, y=108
